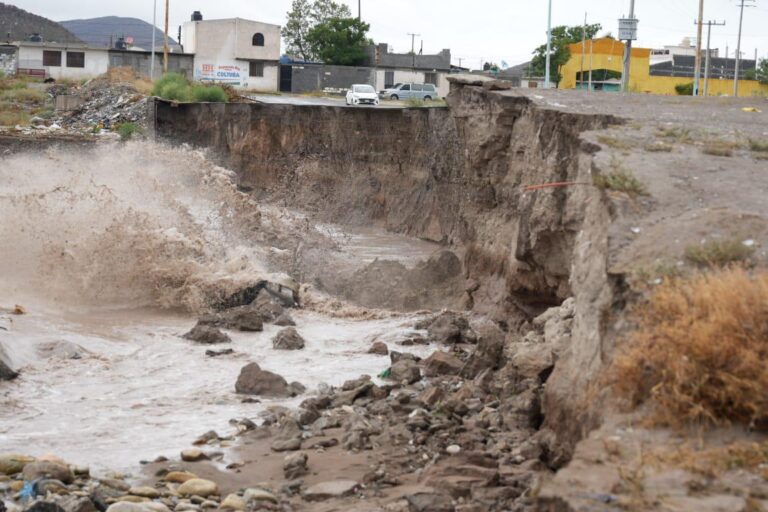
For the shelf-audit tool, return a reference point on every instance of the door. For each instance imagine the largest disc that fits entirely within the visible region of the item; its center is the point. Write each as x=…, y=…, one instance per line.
x=417, y=91
x=286, y=78
x=404, y=92
x=389, y=79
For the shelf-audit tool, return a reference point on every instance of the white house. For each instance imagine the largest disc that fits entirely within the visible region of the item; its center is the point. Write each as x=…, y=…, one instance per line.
x=242, y=53
x=62, y=60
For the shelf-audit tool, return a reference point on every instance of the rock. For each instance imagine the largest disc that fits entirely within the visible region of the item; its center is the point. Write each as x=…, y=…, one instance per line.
x=47, y=485
x=488, y=354
x=329, y=490
x=61, y=350
x=245, y=319
x=453, y=449
x=432, y=396
x=285, y=320
x=179, y=477
x=198, y=487
x=379, y=348
x=77, y=504
x=288, y=339
x=144, y=492
x=255, y=495
x=218, y=353
x=6, y=370
x=405, y=370
x=207, y=335
x=45, y=469
x=114, y=483
x=255, y=381
x=233, y=502
x=295, y=465
x=193, y=455
x=429, y=502
x=209, y=437
x=44, y=506
x=125, y=506
x=12, y=463
x=449, y=327
x=441, y=363
x=155, y=506
x=532, y=361
x=395, y=356
x=286, y=444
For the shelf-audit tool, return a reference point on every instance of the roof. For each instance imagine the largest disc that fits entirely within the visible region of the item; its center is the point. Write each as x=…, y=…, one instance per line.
x=379, y=56
x=607, y=46
x=231, y=20
x=59, y=46
x=685, y=65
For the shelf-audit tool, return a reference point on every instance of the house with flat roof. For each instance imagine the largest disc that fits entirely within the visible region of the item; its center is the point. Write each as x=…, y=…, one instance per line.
x=73, y=61
x=238, y=52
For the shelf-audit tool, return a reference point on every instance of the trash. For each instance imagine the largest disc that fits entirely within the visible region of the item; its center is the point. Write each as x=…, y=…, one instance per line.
x=19, y=310
x=751, y=109
x=29, y=491
x=385, y=374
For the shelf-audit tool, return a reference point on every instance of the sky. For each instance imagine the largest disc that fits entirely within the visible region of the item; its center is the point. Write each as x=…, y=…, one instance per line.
x=475, y=31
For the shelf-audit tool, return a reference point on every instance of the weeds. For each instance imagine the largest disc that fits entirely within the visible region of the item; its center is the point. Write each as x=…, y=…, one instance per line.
x=128, y=130
x=176, y=87
x=720, y=148
x=698, y=353
x=613, y=142
x=620, y=181
x=209, y=94
x=658, y=147
x=678, y=134
x=718, y=253
x=758, y=146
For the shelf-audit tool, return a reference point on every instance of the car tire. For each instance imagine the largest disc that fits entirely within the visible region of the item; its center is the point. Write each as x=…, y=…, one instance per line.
x=394, y=97
x=427, y=98
x=376, y=103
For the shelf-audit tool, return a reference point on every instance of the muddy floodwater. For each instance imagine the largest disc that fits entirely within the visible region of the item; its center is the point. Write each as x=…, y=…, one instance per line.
x=113, y=254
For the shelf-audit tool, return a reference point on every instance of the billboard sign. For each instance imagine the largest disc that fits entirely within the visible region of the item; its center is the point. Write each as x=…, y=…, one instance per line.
x=628, y=29
x=229, y=74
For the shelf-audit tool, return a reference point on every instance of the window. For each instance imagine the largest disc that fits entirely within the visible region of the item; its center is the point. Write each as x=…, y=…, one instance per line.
x=430, y=78
x=256, y=69
x=429, y=88
x=406, y=87
x=389, y=79
x=51, y=58
x=75, y=59
x=258, y=39
x=416, y=87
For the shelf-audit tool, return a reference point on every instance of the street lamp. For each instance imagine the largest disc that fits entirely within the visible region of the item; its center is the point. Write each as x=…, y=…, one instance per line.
x=154, y=25
x=549, y=47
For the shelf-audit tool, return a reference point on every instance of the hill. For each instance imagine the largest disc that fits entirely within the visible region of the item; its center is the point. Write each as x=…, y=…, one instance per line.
x=102, y=31
x=17, y=24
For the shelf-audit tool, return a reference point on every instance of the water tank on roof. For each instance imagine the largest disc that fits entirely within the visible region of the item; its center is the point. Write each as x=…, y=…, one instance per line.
x=197, y=16
x=36, y=38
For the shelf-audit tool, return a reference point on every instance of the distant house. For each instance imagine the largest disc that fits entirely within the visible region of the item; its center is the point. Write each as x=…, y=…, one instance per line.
x=61, y=60
x=242, y=53
x=394, y=68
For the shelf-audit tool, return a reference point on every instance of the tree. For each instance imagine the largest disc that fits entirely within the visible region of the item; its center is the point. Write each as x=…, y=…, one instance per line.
x=490, y=66
x=340, y=41
x=760, y=73
x=562, y=36
x=303, y=17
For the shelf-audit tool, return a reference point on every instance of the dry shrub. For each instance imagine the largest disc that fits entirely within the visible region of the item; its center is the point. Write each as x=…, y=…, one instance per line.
x=699, y=352
x=718, y=253
x=128, y=75
x=620, y=181
x=713, y=461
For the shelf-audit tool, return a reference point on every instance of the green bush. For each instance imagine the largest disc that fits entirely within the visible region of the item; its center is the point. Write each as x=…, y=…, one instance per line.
x=175, y=92
x=128, y=130
x=167, y=80
x=210, y=94
x=684, y=89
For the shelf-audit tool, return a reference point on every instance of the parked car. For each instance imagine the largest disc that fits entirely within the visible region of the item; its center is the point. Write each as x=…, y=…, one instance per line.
x=424, y=92
x=360, y=94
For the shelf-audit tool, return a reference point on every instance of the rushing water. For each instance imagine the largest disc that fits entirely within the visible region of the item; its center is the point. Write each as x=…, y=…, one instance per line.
x=115, y=251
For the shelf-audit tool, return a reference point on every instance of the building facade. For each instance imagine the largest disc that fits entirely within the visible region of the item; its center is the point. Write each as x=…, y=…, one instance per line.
x=61, y=60
x=603, y=58
x=238, y=52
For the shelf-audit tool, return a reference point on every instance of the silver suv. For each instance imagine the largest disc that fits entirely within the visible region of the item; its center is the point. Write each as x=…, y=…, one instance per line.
x=424, y=92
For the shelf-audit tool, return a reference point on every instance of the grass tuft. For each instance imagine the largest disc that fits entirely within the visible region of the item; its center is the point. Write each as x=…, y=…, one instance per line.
x=658, y=147
x=613, y=142
x=128, y=130
x=758, y=146
x=620, y=181
x=697, y=356
x=679, y=134
x=720, y=148
x=718, y=253
x=209, y=94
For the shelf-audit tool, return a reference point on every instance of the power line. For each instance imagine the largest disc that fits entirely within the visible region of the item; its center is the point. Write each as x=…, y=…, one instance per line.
x=738, y=48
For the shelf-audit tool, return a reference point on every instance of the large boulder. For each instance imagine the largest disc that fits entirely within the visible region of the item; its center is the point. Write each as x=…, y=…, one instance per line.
x=329, y=490
x=288, y=339
x=429, y=502
x=207, y=334
x=405, y=370
x=198, y=487
x=6, y=370
x=379, y=348
x=12, y=463
x=255, y=381
x=46, y=469
x=489, y=351
x=61, y=349
x=295, y=465
x=442, y=363
x=448, y=327
x=241, y=318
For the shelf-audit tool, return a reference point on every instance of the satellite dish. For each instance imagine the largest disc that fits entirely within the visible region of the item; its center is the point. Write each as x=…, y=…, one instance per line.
x=129, y=40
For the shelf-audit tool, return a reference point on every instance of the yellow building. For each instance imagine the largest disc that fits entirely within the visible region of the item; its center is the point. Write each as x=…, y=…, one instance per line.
x=607, y=63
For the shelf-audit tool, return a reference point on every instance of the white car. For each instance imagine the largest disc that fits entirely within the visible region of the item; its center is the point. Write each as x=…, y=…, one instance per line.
x=360, y=94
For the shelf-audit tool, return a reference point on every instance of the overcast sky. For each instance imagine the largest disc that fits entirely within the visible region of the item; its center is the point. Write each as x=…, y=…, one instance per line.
x=474, y=30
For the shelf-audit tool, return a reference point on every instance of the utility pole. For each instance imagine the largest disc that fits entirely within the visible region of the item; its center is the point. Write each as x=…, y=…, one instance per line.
x=413, y=48
x=697, y=60
x=165, y=47
x=154, y=30
x=738, y=49
x=359, y=11
x=709, y=41
x=583, y=50
x=549, y=48
x=591, y=53
x=628, y=49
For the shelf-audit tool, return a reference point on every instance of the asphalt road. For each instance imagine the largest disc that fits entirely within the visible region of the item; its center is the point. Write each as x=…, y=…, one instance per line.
x=308, y=100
